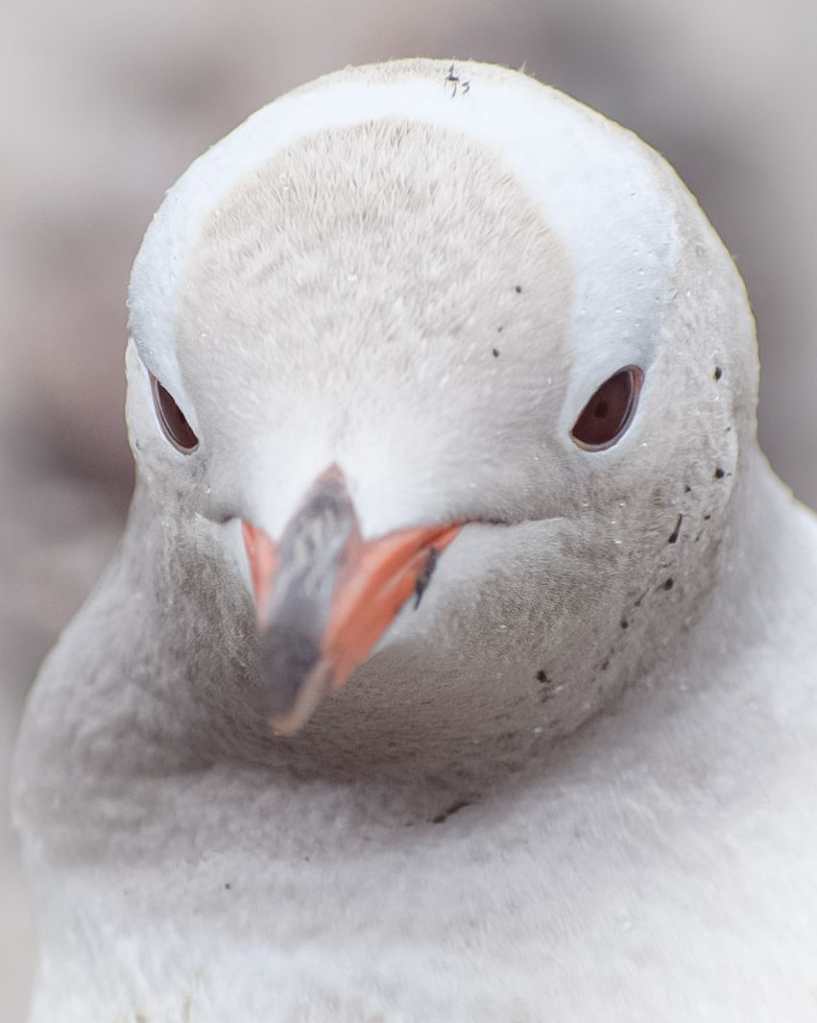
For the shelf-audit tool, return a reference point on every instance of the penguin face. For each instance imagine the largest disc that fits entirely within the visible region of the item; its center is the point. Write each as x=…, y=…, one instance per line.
x=442, y=331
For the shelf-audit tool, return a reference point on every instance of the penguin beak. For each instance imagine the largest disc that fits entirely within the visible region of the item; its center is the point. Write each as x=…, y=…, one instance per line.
x=324, y=596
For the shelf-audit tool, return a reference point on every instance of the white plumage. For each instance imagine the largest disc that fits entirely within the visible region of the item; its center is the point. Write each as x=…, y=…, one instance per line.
x=419, y=273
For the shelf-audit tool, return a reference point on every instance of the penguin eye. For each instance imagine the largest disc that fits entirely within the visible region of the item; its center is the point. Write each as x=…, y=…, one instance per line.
x=609, y=412
x=174, y=425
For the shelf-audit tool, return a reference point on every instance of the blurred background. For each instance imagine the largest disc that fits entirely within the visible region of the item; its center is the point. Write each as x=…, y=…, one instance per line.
x=105, y=102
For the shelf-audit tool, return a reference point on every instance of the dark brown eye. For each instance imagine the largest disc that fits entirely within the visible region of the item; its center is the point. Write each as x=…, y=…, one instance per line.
x=609, y=412
x=176, y=428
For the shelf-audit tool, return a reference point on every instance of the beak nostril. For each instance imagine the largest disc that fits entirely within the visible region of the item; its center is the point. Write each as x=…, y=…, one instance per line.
x=424, y=578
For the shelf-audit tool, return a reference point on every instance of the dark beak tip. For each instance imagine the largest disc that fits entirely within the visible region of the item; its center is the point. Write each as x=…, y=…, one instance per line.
x=313, y=688
x=288, y=657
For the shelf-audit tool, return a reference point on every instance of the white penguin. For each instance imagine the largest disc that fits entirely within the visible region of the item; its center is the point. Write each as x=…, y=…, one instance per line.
x=441, y=391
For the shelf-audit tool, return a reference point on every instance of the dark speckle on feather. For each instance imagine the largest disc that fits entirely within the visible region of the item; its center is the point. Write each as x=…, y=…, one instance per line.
x=457, y=84
x=441, y=818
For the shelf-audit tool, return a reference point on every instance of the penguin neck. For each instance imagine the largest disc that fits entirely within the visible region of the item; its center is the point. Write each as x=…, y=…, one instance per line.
x=768, y=566
x=112, y=733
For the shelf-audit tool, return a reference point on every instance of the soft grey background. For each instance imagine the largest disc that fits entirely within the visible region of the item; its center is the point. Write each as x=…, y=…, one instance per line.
x=104, y=103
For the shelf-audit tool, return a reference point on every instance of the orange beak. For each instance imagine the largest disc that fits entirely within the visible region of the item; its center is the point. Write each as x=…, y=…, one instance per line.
x=324, y=596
